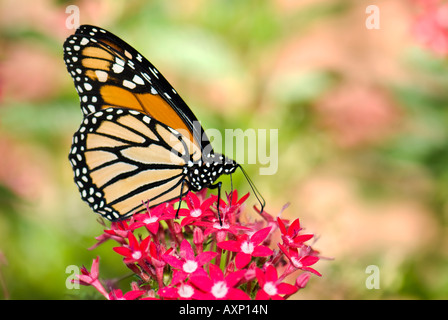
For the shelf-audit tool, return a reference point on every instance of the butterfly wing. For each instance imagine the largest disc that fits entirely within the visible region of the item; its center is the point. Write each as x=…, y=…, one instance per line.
x=137, y=134
x=122, y=157
x=108, y=72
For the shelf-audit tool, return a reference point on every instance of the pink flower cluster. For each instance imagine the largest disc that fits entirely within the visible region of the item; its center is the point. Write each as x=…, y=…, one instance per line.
x=431, y=26
x=199, y=258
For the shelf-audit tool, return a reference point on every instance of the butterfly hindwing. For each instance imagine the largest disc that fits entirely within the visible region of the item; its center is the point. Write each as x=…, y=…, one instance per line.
x=114, y=172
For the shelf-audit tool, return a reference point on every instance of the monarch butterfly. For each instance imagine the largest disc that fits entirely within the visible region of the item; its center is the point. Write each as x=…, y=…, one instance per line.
x=138, y=140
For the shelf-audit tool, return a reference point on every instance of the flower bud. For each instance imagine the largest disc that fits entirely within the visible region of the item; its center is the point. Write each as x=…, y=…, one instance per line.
x=177, y=228
x=198, y=236
x=302, y=280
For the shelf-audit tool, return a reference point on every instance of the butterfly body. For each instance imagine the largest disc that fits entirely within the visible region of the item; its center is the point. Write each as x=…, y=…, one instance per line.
x=138, y=142
x=204, y=173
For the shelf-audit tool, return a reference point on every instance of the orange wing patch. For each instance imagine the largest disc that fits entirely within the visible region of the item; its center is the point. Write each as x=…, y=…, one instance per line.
x=115, y=130
x=99, y=53
x=104, y=61
x=104, y=175
x=148, y=103
x=92, y=63
x=114, y=192
x=96, y=158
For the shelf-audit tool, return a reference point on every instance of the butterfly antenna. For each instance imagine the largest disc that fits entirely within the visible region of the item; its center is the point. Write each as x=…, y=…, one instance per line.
x=254, y=189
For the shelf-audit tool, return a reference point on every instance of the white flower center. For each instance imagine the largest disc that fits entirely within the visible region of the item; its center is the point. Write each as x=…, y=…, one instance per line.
x=296, y=262
x=136, y=255
x=196, y=213
x=288, y=240
x=247, y=247
x=270, y=288
x=216, y=225
x=190, y=266
x=219, y=289
x=185, y=291
x=150, y=220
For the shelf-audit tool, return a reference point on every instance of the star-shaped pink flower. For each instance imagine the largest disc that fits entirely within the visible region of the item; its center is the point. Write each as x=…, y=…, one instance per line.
x=189, y=263
x=151, y=217
x=291, y=236
x=87, y=278
x=197, y=209
x=270, y=286
x=135, y=251
x=300, y=259
x=248, y=247
x=218, y=287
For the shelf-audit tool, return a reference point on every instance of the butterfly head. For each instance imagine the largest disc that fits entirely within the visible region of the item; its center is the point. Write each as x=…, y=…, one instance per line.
x=219, y=163
x=229, y=165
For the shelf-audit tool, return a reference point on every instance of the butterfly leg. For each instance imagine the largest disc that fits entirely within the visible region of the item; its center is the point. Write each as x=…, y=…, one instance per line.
x=214, y=186
x=180, y=199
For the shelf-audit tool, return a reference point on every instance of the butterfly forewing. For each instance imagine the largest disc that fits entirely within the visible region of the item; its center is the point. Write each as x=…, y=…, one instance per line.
x=110, y=73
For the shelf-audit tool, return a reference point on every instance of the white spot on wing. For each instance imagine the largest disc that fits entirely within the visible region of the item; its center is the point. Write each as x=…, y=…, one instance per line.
x=119, y=61
x=146, y=76
x=101, y=75
x=129, y=84
x=138, y=80
x=117, y=68
x=154, y=72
